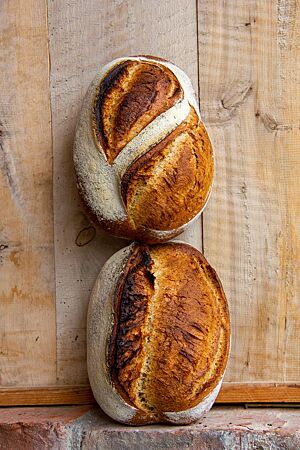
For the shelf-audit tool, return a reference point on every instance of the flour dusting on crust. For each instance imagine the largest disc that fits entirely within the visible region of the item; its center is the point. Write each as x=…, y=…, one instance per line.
x=98, y=181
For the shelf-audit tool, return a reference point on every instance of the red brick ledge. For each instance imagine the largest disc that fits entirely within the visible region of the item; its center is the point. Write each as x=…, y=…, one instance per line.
x=86, y=428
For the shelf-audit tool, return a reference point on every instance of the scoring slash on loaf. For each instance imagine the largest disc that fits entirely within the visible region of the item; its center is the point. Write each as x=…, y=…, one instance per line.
x=158, y=335
x=142, y=155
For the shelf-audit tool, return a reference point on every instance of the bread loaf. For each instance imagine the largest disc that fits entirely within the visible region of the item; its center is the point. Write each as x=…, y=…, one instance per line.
x=142, y=155
x=158, y=334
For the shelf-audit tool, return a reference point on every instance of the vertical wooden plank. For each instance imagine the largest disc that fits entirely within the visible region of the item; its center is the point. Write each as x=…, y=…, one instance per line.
x=27, y=305
x=249, y=87
x=283, y=118
x=84, y=35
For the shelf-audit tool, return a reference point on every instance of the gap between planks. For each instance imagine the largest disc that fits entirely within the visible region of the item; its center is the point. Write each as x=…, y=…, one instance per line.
x=82, y=394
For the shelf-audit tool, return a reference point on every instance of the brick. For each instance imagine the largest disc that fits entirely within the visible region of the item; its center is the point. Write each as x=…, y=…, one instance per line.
x=232, y=428
x=87, y=428
x=37, y=428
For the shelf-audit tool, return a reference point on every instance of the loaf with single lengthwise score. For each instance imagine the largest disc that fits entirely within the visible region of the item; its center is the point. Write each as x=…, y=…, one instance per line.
x=158, y=335
x=142, y=155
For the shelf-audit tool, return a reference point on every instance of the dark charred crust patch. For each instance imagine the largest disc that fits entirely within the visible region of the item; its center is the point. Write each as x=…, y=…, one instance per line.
x=130, y=308
x=110, y=80
x=130, y=96
x=136, y=102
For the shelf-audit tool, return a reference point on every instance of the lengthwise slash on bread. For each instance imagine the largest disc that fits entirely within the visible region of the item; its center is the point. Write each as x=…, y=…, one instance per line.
x=143, y=158
x=158, y=335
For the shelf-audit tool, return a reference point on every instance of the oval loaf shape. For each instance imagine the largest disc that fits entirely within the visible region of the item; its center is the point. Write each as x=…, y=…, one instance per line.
x=158, y=334
x=142, y=155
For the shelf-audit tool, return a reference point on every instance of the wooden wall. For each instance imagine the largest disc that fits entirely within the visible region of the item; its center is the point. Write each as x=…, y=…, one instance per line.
x=244, y=61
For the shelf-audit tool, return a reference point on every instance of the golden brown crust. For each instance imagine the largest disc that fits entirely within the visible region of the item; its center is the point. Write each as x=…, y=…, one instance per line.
x=132, y=300
x=151, y=189
x=175, y=176
x=191, y=327
x=171, y=337
x=118, y=228
x=131, y=95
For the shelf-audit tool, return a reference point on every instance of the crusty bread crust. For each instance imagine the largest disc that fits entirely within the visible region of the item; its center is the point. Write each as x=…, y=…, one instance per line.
x=142, y=156
x=163, y=351
x=129, y=98
x=175, y=176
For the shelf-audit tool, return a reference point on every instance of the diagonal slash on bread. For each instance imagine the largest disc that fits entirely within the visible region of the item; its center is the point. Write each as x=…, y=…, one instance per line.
x=142, y=155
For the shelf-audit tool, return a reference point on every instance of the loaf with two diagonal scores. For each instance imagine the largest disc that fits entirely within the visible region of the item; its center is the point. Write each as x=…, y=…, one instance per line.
x=158, y=334
x=142, y=155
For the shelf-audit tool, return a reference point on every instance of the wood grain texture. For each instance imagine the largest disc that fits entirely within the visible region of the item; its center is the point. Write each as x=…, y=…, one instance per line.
x=27, y=305
x=82, y=395
x=46, y=395
x=84, y=35
x=249, y=58
x=249, y=76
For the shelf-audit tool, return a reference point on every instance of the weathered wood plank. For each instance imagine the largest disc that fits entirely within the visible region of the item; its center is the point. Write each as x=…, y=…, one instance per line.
x=82, y=394
x=249, y=73
x=286, y=135
x=249, y=58
x=46, y=395
x=27, y=305
x=84, y=35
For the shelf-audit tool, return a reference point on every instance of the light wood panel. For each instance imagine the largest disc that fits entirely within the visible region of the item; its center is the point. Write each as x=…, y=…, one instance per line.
x=27, y=305
x=249, y=77
x=84, y=35
x=249, y=61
